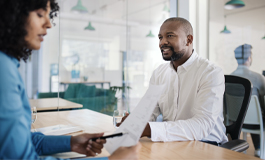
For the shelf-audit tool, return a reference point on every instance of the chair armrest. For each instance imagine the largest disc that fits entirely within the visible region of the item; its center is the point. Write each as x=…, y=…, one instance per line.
x=237, y=145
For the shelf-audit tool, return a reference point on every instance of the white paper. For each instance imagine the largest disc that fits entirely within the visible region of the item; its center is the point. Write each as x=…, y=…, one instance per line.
x=58, y=129
x=67, y=155
x=136, y=122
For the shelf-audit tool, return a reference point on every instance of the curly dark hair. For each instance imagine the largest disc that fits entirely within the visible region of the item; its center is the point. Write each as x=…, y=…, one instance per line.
x=13, y=19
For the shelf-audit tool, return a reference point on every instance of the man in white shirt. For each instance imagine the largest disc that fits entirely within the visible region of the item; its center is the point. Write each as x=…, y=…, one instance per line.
x=192, y=104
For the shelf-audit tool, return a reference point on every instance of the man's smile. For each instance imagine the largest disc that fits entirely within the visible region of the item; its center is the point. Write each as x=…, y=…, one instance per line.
x=166, y=50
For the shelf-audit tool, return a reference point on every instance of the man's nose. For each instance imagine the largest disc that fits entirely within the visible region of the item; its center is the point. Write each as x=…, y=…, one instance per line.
x=163, y=42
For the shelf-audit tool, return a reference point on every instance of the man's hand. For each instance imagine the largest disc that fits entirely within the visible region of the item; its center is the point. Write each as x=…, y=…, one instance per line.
x=84, y=145
x=123, y=119
x=122, y=153
x=147, y=131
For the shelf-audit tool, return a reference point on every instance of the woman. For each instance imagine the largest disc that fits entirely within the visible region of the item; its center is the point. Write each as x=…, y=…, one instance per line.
x=23, y=24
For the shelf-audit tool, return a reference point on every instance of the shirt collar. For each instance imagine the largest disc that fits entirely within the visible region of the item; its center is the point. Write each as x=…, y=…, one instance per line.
x=242, y=67
x=188, y=63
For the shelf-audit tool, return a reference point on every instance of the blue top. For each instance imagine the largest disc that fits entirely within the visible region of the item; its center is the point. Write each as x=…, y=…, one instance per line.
x=16, y=140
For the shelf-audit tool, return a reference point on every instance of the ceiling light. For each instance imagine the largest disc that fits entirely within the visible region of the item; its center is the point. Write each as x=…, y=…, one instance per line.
x=225, y=30
x=150, y=34
x=166, y=9
x=234, y=4
x=79, y=7
x=89, y=27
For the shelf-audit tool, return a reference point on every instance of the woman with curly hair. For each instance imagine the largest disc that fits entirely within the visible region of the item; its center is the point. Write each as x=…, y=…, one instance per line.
x=23, y=24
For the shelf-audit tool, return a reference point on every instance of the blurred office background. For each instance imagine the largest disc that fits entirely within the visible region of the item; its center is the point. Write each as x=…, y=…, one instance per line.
x=113, y=44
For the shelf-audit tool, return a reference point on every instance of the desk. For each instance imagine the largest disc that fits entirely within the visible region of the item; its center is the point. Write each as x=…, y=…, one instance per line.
x=94, y=122
x=53, y=103
x=88, y=82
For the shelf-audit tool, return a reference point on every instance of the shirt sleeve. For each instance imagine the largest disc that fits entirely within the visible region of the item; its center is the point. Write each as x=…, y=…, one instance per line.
x=15, y=135
x=209, y=105
x=47, y=145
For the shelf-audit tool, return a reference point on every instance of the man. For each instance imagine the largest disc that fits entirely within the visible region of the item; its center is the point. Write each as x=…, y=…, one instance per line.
x=192, y=103
x=243, y=56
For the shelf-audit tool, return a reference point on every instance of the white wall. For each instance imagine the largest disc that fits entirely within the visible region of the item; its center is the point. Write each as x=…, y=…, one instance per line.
x=222, y=46
x=183, y=9
x=196, y=12
x=49, y=55
x=198, y=17
x=245, y=26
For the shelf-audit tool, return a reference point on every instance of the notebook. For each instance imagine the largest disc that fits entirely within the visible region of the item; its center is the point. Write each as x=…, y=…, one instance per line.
x=58, y=129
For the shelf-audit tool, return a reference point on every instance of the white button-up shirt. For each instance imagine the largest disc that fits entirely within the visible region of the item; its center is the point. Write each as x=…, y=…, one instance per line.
x=192, y=103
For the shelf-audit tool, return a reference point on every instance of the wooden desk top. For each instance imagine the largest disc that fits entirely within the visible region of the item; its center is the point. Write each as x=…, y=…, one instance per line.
x=94, y=122
x=52, y=104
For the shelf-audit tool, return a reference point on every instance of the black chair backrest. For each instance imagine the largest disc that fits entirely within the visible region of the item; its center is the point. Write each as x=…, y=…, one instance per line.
x=236, y=100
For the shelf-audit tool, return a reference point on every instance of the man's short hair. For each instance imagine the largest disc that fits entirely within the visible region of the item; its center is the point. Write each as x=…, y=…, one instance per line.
x=242, y=53
x=183, y=22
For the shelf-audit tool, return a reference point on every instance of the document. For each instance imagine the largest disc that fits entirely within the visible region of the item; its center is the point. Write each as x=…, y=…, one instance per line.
x=136, y=122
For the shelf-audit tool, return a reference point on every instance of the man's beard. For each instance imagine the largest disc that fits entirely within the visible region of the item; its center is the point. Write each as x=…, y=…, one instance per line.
x=175, y=55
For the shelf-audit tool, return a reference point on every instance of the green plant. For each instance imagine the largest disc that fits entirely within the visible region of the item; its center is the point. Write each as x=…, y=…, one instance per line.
x=117, y=88
x=111, y=107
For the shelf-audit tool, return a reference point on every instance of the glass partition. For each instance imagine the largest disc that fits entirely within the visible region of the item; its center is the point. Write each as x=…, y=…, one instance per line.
x=232, y=28
x=108, y=51
x=100, y=56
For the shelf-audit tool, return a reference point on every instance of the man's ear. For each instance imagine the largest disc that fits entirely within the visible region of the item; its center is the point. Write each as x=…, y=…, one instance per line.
x=189, y=40
x=250, y=60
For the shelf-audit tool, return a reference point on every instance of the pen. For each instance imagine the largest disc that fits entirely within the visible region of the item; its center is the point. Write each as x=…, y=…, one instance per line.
x=110, y=136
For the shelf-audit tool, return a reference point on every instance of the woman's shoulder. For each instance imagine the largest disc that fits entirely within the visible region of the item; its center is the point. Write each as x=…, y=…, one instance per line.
x=6, y=60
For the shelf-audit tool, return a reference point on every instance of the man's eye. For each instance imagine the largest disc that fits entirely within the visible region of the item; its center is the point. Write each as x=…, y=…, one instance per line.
x=40, y=15
x=159, y=37
x=170, y=35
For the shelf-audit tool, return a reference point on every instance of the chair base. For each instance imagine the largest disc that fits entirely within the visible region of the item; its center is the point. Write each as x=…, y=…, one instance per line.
x=236, y=145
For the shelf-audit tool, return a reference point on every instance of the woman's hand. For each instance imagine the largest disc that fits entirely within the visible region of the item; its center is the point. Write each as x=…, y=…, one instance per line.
x=84, y=145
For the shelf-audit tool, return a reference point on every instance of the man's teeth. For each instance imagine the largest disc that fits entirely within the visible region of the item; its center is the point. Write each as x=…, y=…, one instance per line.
x=166, y=50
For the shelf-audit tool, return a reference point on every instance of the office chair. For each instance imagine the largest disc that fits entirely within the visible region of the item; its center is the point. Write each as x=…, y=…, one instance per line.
x=236, y=100
x=254, y=117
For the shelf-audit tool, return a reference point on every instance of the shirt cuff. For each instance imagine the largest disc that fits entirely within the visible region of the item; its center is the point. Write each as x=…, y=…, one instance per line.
x=158, y=131
x=56, y=144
